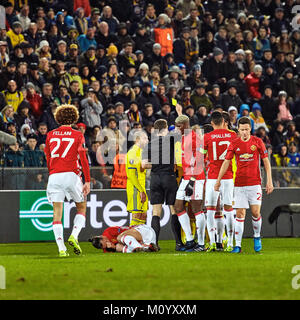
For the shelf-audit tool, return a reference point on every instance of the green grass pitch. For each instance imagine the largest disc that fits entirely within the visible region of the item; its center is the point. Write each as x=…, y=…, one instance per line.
x=33, y=271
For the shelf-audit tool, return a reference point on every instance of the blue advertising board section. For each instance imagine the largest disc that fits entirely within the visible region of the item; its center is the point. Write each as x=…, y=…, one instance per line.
x=108, y=208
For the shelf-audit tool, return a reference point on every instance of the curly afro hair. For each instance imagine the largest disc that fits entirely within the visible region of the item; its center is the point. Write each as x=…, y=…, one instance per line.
x=66, y=114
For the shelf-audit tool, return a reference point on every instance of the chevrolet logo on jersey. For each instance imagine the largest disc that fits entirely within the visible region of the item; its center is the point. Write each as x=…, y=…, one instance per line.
x=246, y=156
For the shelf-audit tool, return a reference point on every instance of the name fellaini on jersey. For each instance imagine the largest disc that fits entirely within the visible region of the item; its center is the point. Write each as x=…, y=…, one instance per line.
x=62, y=133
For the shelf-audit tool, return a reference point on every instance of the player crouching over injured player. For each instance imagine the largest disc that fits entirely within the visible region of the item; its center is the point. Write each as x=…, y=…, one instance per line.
x=126, y=239
x=64, y=148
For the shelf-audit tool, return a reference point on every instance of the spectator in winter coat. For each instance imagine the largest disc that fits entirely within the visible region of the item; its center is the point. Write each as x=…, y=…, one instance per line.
x=257, y=117
x=35, y=101
x=253, y=82
x=91, y=109
x=288, y=83
x=199, y=97
x=284, y=113
x=147, y=96
x=231, y=97
x=269, y=106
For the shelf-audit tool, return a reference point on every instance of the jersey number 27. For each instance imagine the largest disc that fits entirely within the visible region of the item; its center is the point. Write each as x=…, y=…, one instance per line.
x=58, y=143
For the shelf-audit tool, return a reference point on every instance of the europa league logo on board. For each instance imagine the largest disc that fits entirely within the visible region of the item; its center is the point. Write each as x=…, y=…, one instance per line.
x=296, y=20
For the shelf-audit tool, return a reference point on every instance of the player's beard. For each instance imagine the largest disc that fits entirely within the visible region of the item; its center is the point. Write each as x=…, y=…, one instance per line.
x=110, y=250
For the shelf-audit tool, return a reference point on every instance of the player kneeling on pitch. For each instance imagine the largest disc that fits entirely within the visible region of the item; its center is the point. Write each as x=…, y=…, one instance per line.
x=126, y=239
x=248, y=150
x=64, y=148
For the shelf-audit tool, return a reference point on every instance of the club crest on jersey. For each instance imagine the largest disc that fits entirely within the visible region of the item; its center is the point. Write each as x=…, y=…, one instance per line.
x=253, y=147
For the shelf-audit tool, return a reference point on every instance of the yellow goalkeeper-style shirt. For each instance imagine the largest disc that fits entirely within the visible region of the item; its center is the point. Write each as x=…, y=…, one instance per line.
x=136, y=180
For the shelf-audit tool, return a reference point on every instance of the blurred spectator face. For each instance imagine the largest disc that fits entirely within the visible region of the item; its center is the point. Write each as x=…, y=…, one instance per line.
x=11, y=128
x=43, y=129
x=47, y=90
x=119, y=109
x=90, y=53
x=245, y=112
x=9, y=112
x=258, y=73
x=126, y=91
x=25, y=111
x=150, y=11
x=241, y=75
x=292, y=148
x=107, y=12
x=75, y=86
x=262, y=132
x=139, y=126
x=172, y=92
x=279, y=15
x=283, y=150
x=137, y=91
x=18, y=52
x=200, y=91
x=12, y=86
x=223, y=33
x=134, y=107
x=186, y=35
x=174, y=75
x=179, y=15
x=62, y=48
x=85, y=71
x=166, y=108
x=262, y=33
x=232, y=91
x=140, y=57
x=32, y=28
x=96, y=86
x=233, y=115
x=249, y=36
x=268, y=55
x=144, y=72
x=18, y=30
x=60, y=66
x=190, y=112
x=90, y=33
x=202, y=111
x=11, y=68
x=291, y=128
x=147, y=89
x=41, y=24
x=289, y=75
x=23, y=68
x=14, y=147
x=95, y=146
x=161, y=90
x=25, y=11
x=112, y=124
x=238, y=37
x=194, y=14
x=106, y=90
x=32, y=143
x=63, y=91
x=103, y=27
x=157, y=50
x=3, y=49
x=110, y=111
x=269, y=70
x=280, y=127
x=216, y=92
x=113, y=69
x=128, y=49
x=209, y=36
x=281, y=57
x=9, y=10
x=231, y=58
x=268, y=92
x=149, y=111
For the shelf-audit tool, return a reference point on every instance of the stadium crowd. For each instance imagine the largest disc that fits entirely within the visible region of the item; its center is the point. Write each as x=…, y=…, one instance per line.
x=143, y=60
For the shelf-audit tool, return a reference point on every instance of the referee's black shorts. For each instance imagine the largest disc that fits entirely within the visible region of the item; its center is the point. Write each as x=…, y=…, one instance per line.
x=163, y=188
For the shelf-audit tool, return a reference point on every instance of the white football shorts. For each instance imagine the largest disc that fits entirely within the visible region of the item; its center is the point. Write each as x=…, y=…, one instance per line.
x=226, y=192
x=197, y=194
x=64, y=184
x=243, y=196
x=148, y=234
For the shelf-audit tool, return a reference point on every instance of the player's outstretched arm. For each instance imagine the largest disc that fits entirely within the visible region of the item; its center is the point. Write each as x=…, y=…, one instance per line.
x=223, y=170
x=269, y=184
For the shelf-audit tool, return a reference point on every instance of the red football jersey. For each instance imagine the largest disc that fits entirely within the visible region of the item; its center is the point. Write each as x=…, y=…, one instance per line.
x=112, y=234
x=216, y=144
x=247, y=156
x=192, y=158
x=65, y=152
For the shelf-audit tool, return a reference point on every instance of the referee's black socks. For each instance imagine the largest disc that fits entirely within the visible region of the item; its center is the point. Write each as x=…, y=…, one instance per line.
x=176, y=228
x=155, y=224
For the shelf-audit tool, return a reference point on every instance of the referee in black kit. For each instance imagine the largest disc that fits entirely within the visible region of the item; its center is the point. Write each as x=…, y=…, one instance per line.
x=159, y=155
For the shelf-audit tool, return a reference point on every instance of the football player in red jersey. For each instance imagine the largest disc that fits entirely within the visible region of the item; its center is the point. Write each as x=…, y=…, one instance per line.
x=66, y=156
x=191, y=185
x=126, y=239
x=248, y=150
x=215, y=146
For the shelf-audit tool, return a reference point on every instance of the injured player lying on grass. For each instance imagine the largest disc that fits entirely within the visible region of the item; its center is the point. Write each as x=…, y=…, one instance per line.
x=126, y=239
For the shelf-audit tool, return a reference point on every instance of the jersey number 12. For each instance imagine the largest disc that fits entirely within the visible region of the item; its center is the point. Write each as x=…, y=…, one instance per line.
x=223, y=155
